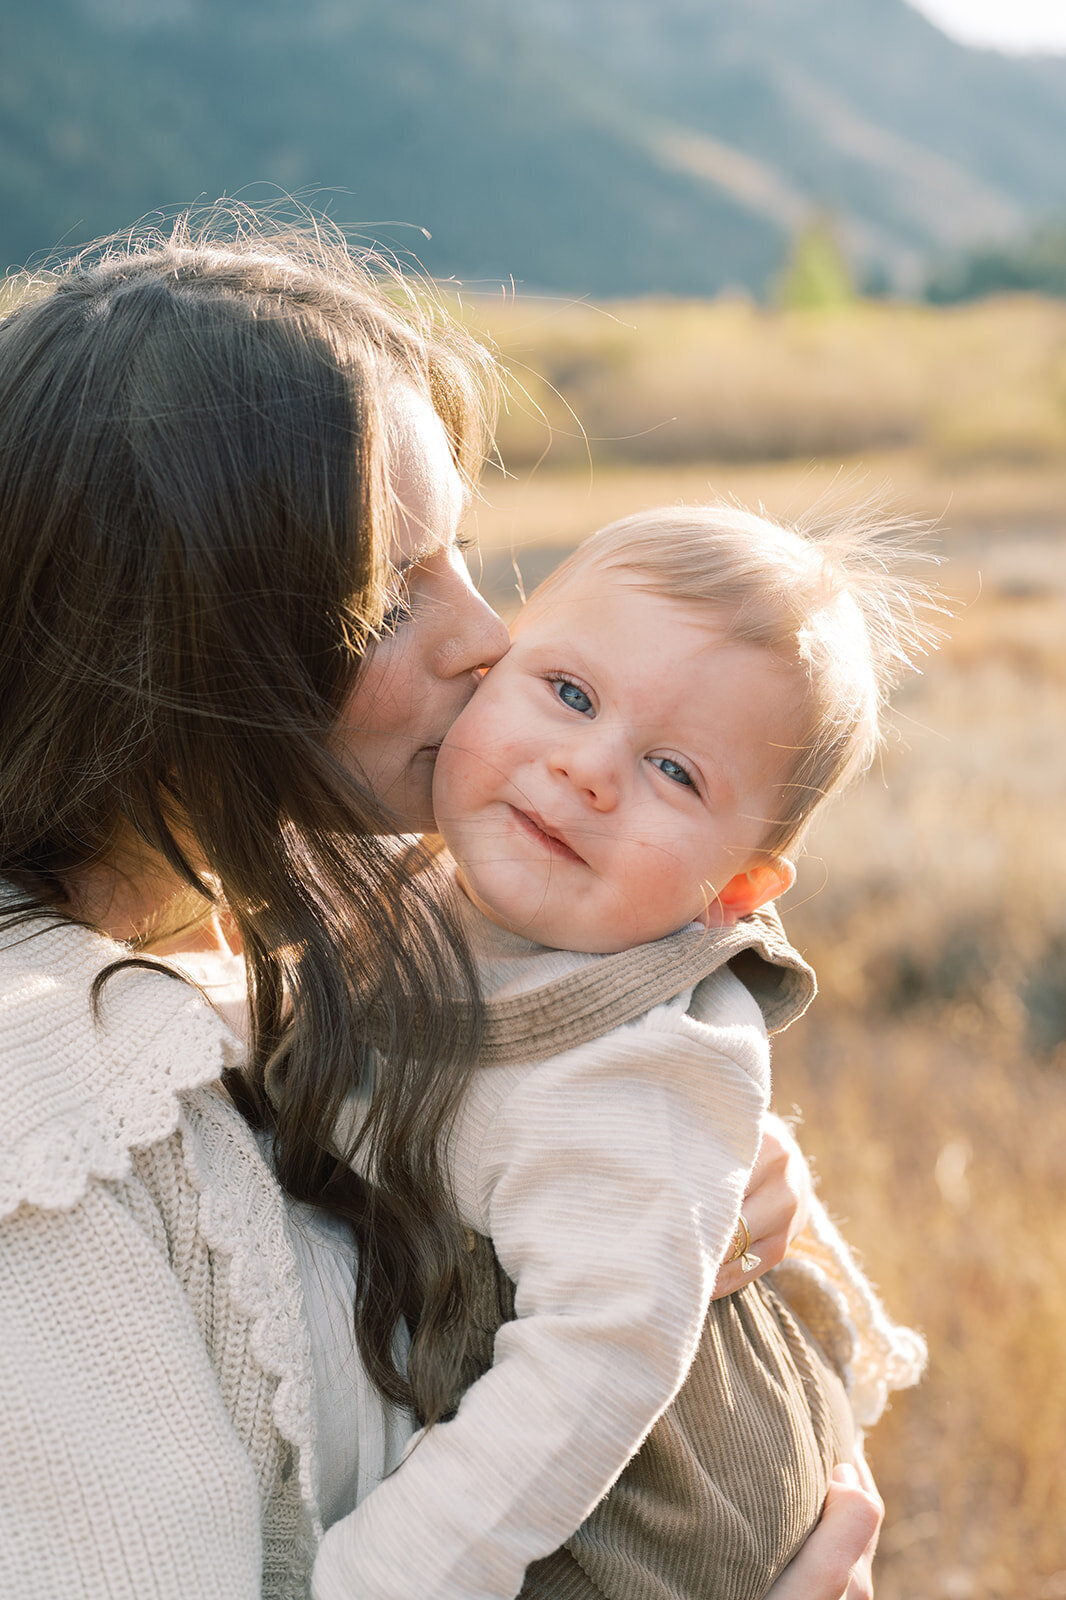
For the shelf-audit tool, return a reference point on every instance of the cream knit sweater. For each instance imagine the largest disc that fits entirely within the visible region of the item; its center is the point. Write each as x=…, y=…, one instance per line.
x=154, y=1372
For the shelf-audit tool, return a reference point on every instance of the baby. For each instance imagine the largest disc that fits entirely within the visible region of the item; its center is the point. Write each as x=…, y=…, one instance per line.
x=618, y=798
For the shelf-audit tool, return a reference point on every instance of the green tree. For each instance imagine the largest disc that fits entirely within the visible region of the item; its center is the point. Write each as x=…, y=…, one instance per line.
x=817, y=274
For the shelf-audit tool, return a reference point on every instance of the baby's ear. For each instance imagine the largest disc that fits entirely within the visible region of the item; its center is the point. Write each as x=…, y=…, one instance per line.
x=749, y=890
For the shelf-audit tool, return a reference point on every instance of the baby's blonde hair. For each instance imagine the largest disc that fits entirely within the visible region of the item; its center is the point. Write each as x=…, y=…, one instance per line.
x=842, y=603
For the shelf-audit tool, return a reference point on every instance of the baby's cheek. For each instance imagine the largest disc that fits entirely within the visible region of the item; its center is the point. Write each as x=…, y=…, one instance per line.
x=459, y=785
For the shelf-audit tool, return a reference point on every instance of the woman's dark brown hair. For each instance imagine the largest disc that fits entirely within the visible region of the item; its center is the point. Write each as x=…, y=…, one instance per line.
x=193, y=525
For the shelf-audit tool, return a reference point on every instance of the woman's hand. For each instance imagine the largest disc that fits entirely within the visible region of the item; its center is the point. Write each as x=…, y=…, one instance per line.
x=837, y=1560
x=775, y=1206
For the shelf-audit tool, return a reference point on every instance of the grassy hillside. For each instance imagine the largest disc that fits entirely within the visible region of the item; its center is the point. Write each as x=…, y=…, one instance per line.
x=860, y=104
x=456, y=120
x=616, y=149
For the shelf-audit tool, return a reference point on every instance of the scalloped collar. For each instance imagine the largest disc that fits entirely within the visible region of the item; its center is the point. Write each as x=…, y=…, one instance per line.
x=79, y=1094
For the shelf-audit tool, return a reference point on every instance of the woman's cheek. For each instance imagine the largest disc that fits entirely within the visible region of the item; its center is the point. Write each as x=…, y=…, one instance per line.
x=449, y=800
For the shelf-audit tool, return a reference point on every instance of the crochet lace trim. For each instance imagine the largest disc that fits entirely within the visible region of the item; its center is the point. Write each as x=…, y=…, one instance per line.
x=81, y=1093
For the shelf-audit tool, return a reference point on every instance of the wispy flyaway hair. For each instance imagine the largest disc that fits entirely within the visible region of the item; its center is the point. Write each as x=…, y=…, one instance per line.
x=844, y=603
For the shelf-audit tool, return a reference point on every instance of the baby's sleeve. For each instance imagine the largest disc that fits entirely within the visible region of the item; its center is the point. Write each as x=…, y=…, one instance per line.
x=609, y=1180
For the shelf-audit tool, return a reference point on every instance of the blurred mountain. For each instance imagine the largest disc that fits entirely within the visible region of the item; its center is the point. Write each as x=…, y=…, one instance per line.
x=589, y=146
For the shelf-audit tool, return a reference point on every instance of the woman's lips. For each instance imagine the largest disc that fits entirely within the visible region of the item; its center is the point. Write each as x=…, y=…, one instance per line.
x=532, y=826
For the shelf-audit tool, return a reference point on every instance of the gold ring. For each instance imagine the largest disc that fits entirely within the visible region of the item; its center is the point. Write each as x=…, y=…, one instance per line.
x=741, y=1240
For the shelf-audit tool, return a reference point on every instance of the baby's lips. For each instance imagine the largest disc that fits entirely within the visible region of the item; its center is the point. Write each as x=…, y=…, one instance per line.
x=549, y=831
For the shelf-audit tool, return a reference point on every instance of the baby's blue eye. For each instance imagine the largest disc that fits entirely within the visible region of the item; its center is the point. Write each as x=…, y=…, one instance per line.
x=572, y=696
x=672, y=769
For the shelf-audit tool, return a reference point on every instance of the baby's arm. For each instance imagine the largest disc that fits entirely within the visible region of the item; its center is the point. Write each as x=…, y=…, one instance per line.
x=609, y=1180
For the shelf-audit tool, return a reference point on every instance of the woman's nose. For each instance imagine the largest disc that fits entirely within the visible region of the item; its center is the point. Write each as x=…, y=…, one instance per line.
x=475, y=635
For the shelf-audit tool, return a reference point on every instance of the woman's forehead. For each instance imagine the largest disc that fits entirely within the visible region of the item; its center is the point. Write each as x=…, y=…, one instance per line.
x=428, y=491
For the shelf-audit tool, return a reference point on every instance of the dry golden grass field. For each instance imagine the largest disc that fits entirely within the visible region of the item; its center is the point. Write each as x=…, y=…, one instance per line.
x=931, y=1073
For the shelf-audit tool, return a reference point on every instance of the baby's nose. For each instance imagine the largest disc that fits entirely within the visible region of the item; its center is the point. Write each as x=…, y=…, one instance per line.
x=589, y=765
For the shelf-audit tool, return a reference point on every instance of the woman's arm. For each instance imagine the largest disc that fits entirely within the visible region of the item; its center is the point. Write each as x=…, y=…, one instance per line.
x=776, y=1205
x=836, y=1561
x=123, y=1474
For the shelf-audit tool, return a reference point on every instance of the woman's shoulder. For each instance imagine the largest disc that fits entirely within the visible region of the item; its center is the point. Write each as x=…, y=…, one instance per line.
x=87, y=1080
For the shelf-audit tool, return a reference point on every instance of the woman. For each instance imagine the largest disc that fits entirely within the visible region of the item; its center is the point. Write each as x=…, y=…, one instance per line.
x=236, y=625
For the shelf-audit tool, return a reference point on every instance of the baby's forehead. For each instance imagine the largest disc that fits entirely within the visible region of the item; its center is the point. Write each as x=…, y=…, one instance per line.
x=592, y=590
x=593, y=620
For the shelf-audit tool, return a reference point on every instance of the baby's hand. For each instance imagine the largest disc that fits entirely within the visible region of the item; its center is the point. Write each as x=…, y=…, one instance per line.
x=775, y=1208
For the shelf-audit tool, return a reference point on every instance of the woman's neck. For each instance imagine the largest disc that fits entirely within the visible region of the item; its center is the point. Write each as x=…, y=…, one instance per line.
x=138, y=900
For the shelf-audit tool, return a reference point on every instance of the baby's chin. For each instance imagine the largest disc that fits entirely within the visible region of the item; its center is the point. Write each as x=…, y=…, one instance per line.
x=556, y=931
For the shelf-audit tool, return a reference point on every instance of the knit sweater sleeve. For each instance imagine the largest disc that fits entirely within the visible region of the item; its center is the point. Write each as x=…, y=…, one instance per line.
x=130, y=1480
x=609, y=1179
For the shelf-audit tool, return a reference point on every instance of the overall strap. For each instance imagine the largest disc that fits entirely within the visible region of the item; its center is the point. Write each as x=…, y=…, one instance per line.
x=619, y=988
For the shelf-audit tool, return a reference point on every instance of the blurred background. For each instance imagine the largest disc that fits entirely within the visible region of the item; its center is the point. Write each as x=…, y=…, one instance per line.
x=797, y=251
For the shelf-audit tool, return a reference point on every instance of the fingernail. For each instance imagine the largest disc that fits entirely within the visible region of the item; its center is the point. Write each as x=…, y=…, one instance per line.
x=845, y=1473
